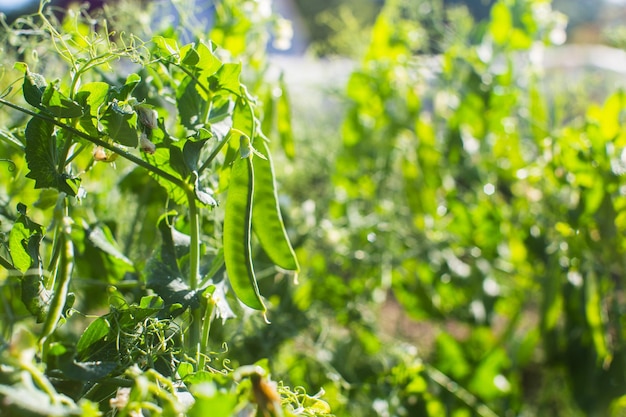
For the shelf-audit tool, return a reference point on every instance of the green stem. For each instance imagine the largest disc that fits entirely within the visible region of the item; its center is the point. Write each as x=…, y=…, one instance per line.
x=215, y=152
x=41, y=381
x=194, y=272
x=6, y=264
x=62, y=283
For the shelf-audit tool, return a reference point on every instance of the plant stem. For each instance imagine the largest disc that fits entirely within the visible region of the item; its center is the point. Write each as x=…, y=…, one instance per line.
x=215, y=152
x=62, y=282
x=41, y=380
x=6, y=264
x=194, y=272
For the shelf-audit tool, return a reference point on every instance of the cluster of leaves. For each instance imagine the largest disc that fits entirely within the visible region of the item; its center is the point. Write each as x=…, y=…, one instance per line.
x=169, y=158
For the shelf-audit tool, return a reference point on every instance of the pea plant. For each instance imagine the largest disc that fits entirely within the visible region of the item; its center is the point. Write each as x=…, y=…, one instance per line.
x=161, y=137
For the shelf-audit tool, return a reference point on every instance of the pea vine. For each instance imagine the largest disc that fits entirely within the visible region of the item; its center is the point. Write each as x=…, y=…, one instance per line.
x=183, y=116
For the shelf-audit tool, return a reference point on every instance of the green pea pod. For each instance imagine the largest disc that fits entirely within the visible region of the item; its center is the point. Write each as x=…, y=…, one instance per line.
x=267, y=220
x=237, y=222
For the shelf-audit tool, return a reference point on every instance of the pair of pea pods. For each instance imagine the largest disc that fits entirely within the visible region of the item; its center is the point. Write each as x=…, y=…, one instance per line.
x=252, y=205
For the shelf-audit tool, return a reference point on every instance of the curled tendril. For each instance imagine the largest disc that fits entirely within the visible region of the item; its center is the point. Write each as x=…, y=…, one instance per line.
x=12, y=166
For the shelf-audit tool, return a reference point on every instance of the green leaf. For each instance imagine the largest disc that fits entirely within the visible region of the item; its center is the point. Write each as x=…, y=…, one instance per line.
x=86, y=371
x=54, y=102
x=33, y=88
x=167, y=46
x=191, y=153
x=177, y=161
x=205, y=197
x=42, y=158
x=228, y=77
x=208, y=63
x=120, y=123
x=91, y=97
x=162, y=160
x=122, y=93
x=24, y=241
x=21, y=232
x=163, y=271
x=190, y=104
x=190, y=56
x=101, y=237
x=94, y=333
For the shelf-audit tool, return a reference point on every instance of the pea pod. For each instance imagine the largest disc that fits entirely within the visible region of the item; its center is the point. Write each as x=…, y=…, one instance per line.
x=267, y=220
x=237, y=223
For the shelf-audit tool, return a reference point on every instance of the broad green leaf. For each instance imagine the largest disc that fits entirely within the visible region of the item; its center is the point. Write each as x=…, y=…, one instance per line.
x=42, y=158
x=24, y=241
x=228, y=77
x=190, y=56
x=120, y=123
x=95, y=332
x=163, y=272
x=161, y=159
x=123, y=93
x=167, y=46
x=33, y=88
x=91, y=96
x=177, y=160
x=190, y=104
x=101, y=237
x=86, y=371
x=208, y=63
x=22, y=231
x=191, y=153
x=54, y=102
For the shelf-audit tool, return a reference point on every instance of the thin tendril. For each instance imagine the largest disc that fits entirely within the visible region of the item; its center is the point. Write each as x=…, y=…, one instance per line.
x=12, y=166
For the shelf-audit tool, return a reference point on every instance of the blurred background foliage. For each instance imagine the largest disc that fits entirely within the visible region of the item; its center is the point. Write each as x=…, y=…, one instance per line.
x=458, y=217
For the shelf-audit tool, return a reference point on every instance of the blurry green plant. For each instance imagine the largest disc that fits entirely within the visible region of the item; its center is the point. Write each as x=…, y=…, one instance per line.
x=482, y=204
